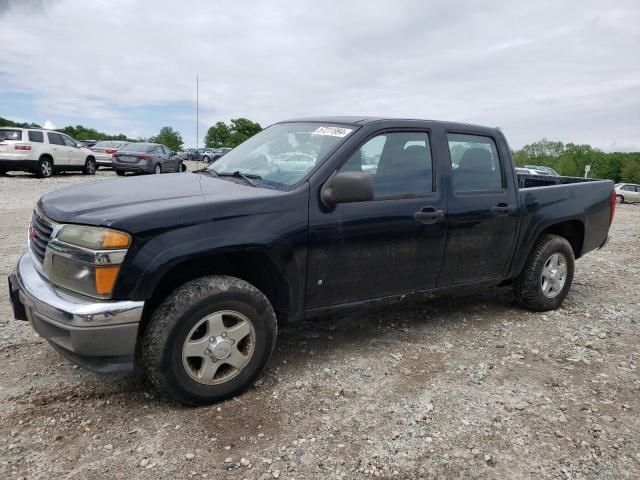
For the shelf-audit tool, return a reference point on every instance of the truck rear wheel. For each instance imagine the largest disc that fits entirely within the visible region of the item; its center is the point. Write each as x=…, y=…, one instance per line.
x=546, y=277
x=209, y=340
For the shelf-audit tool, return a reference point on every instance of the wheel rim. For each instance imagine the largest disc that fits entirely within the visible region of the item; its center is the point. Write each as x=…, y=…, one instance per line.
x=157, y=170
x=619, y=199
x=554, y=275
x=45, y=168
x=91, y=167
x=218, y=347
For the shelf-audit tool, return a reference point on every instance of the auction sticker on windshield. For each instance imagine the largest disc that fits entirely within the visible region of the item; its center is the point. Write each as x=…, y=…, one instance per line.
x=333, y=131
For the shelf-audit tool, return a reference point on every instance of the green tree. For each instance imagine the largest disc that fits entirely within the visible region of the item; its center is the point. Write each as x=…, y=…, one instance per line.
x=217, y=136
x=231, y=135
x=169, y=137
x=631, y=169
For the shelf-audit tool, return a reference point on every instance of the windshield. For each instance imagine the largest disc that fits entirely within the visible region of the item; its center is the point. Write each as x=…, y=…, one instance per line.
x=282, y=154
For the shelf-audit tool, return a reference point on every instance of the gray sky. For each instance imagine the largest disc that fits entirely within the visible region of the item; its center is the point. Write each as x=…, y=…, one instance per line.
x=566, y=70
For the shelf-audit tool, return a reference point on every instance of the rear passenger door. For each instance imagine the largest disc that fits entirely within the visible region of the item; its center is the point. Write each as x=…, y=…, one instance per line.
x=482, y=215
x=390, y=245
x=58, y=149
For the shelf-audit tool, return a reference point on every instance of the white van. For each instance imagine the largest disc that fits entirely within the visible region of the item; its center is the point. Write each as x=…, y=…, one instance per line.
x=42, y=152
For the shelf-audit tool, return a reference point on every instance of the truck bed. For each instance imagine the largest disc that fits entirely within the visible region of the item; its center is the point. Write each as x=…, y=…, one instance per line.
x=528, y=180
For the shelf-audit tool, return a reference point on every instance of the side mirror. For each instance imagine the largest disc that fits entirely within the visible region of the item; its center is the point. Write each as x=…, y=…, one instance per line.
x=348, y=187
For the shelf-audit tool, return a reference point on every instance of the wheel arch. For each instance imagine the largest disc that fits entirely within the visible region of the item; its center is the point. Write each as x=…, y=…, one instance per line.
x=255, y=266
x=47, y=156
x=572, y=229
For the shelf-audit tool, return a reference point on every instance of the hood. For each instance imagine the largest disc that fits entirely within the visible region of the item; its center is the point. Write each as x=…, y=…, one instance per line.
x=121, y=202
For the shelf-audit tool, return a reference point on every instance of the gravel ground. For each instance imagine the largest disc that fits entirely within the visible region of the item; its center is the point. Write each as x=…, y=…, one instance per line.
x=472, y=387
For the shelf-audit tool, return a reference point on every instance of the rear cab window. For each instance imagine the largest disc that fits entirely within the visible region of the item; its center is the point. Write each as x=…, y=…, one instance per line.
x=475, y=164
x=10, y=134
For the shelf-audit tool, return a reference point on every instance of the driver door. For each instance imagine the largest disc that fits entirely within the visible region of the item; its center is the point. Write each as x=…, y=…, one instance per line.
x=387, y=246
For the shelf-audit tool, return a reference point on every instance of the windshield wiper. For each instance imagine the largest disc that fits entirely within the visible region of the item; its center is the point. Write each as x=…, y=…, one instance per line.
x=245, y=176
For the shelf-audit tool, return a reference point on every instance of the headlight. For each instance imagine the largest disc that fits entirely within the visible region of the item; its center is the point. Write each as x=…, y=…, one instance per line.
x=87, y=260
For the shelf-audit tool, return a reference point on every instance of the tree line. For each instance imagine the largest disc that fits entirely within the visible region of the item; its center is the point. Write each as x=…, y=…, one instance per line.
x=567, y=159
x=570, y=159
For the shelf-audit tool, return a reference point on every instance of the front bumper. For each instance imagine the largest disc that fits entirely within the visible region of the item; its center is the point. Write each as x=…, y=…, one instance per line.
x=100, y=335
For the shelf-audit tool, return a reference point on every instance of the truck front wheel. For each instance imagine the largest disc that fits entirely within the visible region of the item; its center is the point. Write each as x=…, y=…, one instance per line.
x=546, y=277
x=209, y=340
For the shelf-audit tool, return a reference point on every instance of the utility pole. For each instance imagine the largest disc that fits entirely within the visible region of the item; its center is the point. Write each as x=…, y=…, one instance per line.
x=197, y=111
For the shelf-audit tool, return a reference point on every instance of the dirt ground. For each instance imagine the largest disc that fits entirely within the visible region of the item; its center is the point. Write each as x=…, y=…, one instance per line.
x=469, y=387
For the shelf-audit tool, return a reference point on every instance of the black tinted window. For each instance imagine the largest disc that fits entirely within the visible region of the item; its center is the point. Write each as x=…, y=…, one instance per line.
x=55, y=138
x=400, y=163
x=10, y=135
x=629, y=188
x=36, y=136
x=474, y=162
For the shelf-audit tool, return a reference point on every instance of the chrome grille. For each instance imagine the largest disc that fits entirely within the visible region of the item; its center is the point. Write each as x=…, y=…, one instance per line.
x=39, y=234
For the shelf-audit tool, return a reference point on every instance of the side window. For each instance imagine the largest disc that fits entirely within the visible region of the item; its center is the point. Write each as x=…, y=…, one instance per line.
x=628, y=188
x=160, y=150
x=55, y=138
x=475, y=163
x=35, y=136
x=400, y=163
x=69, y=142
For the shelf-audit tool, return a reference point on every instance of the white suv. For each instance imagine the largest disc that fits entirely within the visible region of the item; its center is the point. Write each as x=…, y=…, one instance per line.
x=42, y=152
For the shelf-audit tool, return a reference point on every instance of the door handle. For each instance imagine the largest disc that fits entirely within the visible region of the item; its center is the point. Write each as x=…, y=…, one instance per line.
x=428, y=215
x=502, y=209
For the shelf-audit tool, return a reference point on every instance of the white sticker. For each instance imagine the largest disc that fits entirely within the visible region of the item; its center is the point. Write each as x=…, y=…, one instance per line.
x=333, y=131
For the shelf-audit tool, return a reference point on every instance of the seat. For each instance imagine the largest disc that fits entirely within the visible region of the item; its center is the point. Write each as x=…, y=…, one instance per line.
x=475, y=172
x=407, y=172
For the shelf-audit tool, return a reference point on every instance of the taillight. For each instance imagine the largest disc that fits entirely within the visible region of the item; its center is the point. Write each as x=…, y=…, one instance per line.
x=110, y=151
x=612, y=206
x=144, y=157
x=22, y=146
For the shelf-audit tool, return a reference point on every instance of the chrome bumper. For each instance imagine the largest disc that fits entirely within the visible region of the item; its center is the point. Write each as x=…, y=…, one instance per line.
x=100, y=335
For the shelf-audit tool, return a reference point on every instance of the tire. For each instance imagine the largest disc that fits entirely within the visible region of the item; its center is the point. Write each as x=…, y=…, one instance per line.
x=541, y=286
x=215, y=158
x=45, y=168
x=120, y=173
x=619, y=199
x=3, y=172
x=183, y=168
x=90, y=167
x=206, y=159
x=179, y=321
x=157, y=170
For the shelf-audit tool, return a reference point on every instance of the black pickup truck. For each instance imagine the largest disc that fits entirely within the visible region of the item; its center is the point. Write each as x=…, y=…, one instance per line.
x=187, y=276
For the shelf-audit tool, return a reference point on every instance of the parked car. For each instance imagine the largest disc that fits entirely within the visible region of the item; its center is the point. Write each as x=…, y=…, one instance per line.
x=192, y=154
x=219, y=152
x=627, y=192
x=104, y=151
x=543, y=169
x=146, y=158
x=190, y=276
x=206, y=154
x=42, y=152
x=529, y=171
